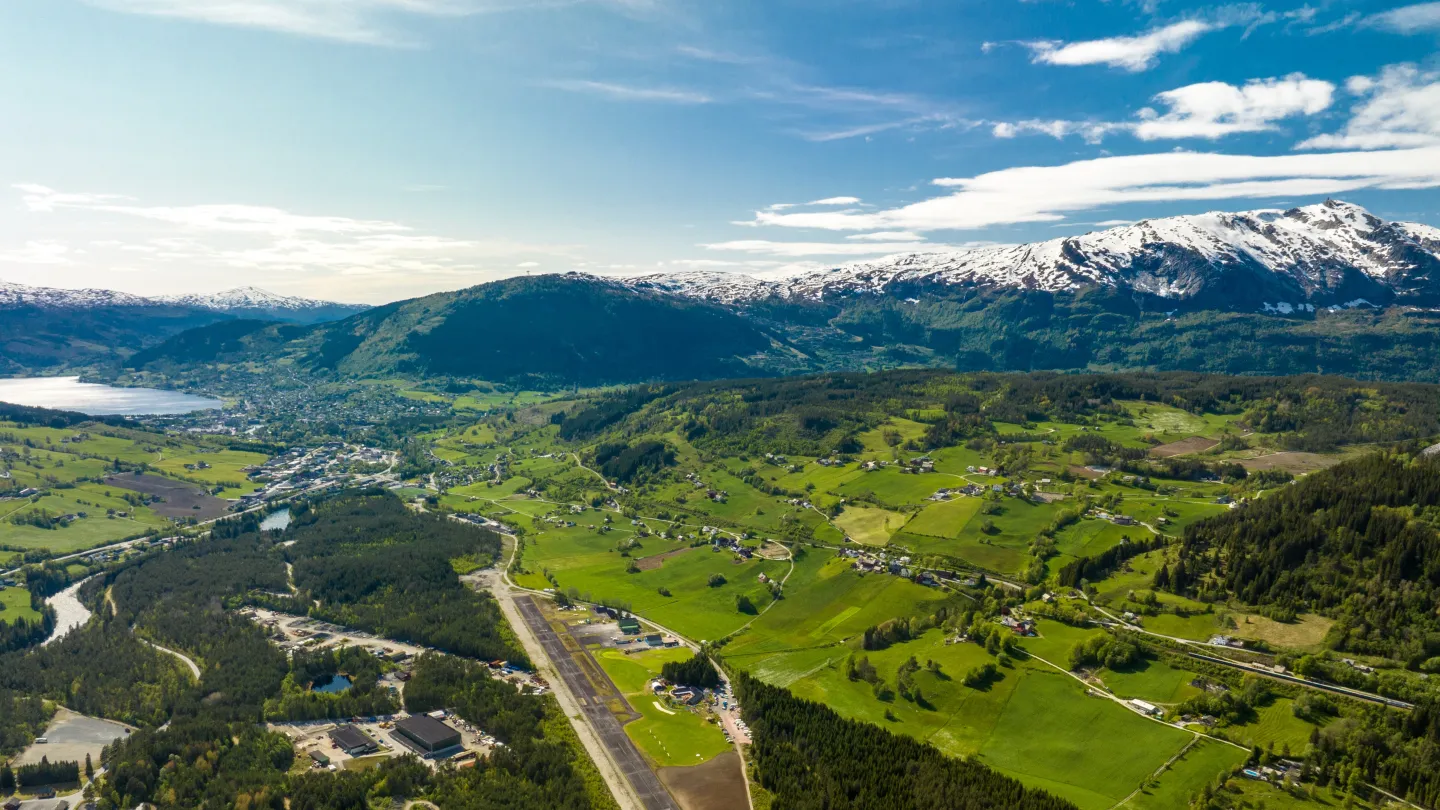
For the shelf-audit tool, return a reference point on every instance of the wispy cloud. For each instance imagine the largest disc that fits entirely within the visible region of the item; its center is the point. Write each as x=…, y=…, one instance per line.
x=626, y=92
x=262, y=240
x=1134, y=53
x=364, y=22
x=1398, y=108
x=1048, y=193
x=1414, y=19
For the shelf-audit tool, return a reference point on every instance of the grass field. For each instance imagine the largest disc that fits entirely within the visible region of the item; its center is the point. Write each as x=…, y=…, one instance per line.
x=16, y=603
x=870, y=526
x=1184, y=778
x=1085, y=749
x=669, y=735
x=946, y=519
x=1154, y=681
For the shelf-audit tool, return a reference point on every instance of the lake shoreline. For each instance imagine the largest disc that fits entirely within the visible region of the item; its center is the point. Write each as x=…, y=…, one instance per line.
x=72, y=393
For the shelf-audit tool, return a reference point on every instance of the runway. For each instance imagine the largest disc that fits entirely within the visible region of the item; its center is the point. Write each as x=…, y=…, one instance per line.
x=627, y=757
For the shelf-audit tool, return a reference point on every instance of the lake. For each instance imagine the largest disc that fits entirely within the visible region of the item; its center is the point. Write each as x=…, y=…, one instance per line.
x=69, y=394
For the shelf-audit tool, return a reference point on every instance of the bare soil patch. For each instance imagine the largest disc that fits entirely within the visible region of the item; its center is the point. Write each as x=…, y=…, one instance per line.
x=1085, y=472
x=655, y=561
x=716, y=785
x=772, y=551
x=1194, y=444
x=180, y=500
x=1292, y=462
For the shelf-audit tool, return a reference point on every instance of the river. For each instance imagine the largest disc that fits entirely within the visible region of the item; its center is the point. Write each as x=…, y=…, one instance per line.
x=69, y=613
x=276, y=520
x=69, y=394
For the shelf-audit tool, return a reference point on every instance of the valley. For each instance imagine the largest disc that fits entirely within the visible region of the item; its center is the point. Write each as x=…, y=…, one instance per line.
x=984, y=564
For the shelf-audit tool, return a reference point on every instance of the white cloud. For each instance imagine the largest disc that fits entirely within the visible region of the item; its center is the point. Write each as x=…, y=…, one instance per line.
x=888, y=236
x=365, y=22
x=836, y=201
x=528, y=264
x=1047, y=193
x=1216, y=109
x=1407, y=19
x=1206, y=110
x=1400, y=108
x=37, y=252
x=1128, y=53
x=625, y=92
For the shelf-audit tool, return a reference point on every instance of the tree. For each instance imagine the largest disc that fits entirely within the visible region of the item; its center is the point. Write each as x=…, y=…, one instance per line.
x=89, y=768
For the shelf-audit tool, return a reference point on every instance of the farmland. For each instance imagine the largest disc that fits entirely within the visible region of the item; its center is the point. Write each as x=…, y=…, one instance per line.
x=1022, y=504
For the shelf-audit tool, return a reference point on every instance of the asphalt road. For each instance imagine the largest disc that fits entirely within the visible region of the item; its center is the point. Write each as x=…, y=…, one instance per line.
x=627, y=757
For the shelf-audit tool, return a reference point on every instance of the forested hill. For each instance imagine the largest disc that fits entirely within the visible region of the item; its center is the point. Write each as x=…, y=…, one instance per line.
x=564, y=329
x=549, y=329
x=1358, y=541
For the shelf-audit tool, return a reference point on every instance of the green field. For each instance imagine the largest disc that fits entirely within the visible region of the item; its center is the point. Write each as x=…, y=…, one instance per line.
x=16, y=604
x=870, y=526
x=669, y=735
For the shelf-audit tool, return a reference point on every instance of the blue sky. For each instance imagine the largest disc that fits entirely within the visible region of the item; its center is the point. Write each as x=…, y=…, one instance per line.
x=369, y=150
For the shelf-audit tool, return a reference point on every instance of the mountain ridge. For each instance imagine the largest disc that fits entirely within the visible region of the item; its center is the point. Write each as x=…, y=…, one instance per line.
x=1328, y=254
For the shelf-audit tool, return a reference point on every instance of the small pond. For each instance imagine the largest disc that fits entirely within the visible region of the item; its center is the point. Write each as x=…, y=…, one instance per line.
x=335, y=684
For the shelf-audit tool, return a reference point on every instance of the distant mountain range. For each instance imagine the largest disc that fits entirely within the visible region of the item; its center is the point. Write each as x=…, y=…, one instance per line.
x=1331, y=254
x=1324, y=288
x=45, y=328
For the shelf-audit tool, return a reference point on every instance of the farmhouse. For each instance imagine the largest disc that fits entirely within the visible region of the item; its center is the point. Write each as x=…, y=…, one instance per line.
x=630, y=626
x=429, y=736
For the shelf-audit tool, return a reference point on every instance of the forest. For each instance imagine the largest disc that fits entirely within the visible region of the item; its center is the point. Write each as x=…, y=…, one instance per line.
x=1357, y=542
x=377, y=565
x=200, y=745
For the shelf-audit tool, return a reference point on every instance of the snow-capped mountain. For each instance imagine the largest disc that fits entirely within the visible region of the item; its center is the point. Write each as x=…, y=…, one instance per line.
x=250, y=298
x=249, y=302
x=18, y=295
x=1332, y=253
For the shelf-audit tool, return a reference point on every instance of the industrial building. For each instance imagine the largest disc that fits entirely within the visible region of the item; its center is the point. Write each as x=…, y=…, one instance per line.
x=353, y=741
x=431, y=737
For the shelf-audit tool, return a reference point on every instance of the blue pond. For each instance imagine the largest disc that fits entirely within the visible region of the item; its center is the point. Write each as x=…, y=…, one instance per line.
x=337, y=683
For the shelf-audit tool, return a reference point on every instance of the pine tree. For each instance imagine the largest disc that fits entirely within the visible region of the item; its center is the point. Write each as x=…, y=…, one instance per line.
x=7, y=780
x=89, y=768
x=1162, y=577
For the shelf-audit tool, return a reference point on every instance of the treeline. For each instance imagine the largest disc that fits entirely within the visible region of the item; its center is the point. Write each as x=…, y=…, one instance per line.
x=46, y=772
x=591, y=421
x=622, y=462
x=22, y=718
x=1102, y=565
x=374, y=564
x=1357, y=542
x=808, y=756
x=696, y=671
